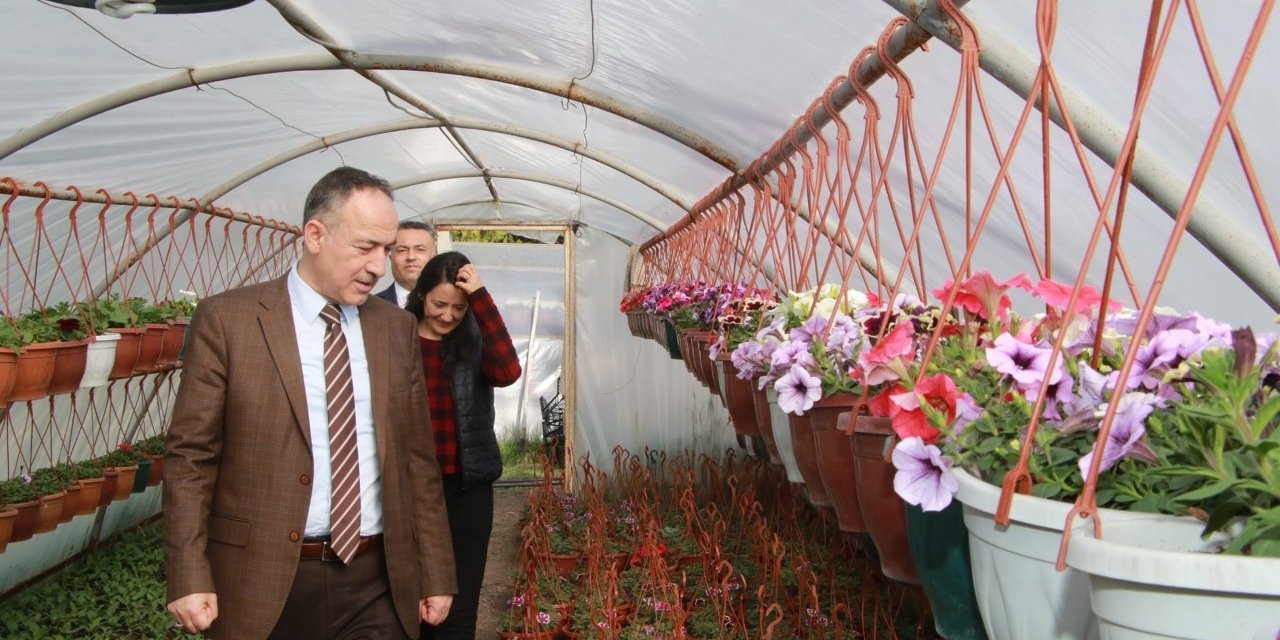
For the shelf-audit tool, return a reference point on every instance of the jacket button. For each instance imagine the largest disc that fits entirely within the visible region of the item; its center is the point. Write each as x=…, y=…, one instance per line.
x=305, y=479
x=294, y=536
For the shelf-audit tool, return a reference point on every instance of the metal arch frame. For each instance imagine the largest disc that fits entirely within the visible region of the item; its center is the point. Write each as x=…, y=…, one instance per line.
x=313, y=30
x=368, y=62
x=478, y=124
x=765, y=266
x=471, y=222
x=530, y=177
x=1243, y=254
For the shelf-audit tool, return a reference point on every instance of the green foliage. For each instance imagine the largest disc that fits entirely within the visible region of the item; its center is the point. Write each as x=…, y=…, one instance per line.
x=60, y=322
x=115, y=593
x=93, y=468
x=522, y=456
x=123, y=456
x=151, y=446
x=17, y=490
x=50, y=480
x=110, y=312
x=489, y=236
x=1230, y=462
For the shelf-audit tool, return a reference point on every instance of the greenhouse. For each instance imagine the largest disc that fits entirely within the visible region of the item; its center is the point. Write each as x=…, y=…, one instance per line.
x=863, y=319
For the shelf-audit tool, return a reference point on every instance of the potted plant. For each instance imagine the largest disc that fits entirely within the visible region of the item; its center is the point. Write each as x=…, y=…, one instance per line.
x=88, y=475
x=37, y=497
x=7, y=516
x=154, y=319
x=1221, y=577
x=36, y=339
x=111, y=315
x=529, y=616
x=153, y=449
x=964, y=418
x=121, y=472
x=816, y=385
x=179, y=311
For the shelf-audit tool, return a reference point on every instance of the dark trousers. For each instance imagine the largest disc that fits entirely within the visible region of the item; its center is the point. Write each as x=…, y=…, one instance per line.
x=340, y=602
x=471, y=524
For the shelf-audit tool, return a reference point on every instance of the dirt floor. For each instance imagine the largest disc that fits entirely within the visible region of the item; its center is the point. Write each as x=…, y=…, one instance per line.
x=508, y=503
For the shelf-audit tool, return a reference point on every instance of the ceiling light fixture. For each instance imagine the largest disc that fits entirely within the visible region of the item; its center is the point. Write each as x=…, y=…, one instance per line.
x=128, y=8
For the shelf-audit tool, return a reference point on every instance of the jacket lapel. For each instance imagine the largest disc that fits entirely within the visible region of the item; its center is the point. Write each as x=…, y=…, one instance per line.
x=377, y=344
x=276, y=320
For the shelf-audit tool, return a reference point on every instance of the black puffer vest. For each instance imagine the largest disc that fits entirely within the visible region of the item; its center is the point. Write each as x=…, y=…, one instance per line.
x=478, y=453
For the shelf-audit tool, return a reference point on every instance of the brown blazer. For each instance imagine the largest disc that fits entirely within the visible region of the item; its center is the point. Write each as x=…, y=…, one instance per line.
x=238, y=461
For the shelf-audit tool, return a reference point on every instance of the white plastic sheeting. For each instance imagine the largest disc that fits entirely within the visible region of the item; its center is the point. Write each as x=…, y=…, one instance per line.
x=609, y=113
x=630, y=392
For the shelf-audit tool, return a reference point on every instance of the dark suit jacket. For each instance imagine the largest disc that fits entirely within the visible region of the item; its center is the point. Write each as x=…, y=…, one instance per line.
x=389, y=294
x=239, y=455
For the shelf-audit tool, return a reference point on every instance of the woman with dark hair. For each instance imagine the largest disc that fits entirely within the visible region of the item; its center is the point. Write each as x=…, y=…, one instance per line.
x=466, y=352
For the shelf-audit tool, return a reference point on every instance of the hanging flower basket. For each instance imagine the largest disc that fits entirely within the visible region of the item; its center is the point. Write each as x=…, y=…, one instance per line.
x=1154, y=577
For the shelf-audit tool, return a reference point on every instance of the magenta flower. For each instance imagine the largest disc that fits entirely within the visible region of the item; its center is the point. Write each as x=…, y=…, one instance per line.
x=798, y=390
x=544, y=617
x=1127, y=432
x=924, y=475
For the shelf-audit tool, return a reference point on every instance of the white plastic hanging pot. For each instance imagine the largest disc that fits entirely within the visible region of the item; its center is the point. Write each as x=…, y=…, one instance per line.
x=1020, y=592
x=1151, y=577
x=782, y=438
x=101, y=357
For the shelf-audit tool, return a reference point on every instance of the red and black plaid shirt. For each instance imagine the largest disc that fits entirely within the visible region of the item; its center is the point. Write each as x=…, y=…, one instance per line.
x=498, y=361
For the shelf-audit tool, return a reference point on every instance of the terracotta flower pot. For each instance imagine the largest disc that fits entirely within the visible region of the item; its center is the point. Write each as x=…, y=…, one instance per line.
x=835, y=460
x=883, y=511
x=149, y=350
x=157, y=470
x=49, y=512
x=110, y=478
x=35, y=371
x=126, y=351
x=68, y=366
x=90, y=495
x=171, y=345
x=124, y=482
x=70, y=503
x=8, y=374
x=6, y=526
x=739, y=398
x=25, y=520
x=807, y=459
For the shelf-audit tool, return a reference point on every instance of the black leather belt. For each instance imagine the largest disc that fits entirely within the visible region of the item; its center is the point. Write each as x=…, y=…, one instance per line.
x=319, y=549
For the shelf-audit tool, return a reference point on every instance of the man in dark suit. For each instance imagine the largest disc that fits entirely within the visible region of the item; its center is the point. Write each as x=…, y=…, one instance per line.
x=415, y=245
x=247, y=507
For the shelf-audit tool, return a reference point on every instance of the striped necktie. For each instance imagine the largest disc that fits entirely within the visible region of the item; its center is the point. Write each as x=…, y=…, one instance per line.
x=344, y=505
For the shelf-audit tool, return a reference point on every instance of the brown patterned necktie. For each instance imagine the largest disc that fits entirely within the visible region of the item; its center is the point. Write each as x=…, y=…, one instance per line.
x=344, y=505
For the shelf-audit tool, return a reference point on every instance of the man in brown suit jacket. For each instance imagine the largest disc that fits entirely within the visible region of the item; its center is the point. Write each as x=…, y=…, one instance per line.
x=249, y=464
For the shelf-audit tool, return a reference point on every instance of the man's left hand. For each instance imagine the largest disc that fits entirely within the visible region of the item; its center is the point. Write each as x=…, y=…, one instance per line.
x=434, y=609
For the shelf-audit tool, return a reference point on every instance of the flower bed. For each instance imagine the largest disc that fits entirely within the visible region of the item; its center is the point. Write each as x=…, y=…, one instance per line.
x=695, y=549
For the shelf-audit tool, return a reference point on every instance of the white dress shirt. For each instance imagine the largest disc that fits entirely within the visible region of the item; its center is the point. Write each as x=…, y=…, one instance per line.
x=402, y=295
x=310, y=329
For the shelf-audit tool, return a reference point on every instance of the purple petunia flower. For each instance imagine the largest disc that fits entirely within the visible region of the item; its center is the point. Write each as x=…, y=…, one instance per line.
x=967, y=410
x=798, y=390
x=924, y=475
x=1127, y=431
x=1025, y=363
x=811, y=330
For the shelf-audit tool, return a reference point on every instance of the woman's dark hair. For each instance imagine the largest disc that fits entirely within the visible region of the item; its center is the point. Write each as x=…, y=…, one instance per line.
x=462, y=345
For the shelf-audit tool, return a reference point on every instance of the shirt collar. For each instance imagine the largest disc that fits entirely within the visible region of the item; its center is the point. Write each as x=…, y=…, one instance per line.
x=309, y=303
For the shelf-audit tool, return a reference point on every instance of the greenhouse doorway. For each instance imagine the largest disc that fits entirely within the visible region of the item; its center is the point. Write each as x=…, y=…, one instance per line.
x=528, y=269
